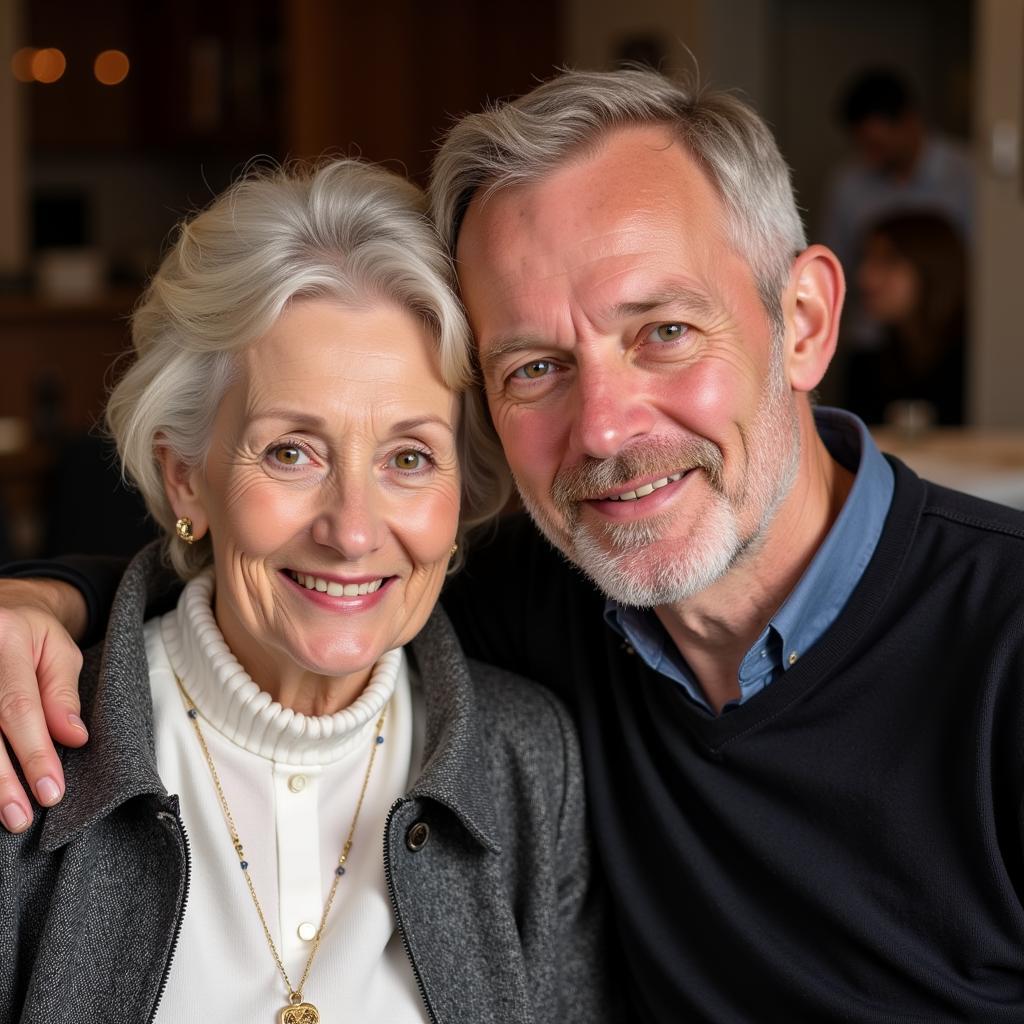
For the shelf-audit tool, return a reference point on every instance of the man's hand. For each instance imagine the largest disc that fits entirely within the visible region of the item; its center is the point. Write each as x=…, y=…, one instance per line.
x=39, y=666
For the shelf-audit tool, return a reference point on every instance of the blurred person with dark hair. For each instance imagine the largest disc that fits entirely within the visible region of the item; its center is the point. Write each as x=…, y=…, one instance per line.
x=899, y=165
x=912, y=281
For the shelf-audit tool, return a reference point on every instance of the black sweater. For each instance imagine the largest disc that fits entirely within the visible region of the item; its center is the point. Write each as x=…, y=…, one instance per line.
x=846, y=846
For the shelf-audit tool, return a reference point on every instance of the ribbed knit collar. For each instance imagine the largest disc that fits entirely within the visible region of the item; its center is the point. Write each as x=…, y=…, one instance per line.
x=233, y=704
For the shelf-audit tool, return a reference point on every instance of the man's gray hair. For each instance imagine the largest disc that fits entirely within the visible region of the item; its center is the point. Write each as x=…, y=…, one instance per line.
x=345, y=230
x=521, y=141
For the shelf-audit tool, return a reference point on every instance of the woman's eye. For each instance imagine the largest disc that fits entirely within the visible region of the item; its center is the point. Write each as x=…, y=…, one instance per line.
x=534, y=370
x=288, y=455
x=410, y=460
x=667, y=332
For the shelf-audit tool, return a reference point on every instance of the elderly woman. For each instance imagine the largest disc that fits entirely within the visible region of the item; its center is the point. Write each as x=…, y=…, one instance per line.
x=299, y=799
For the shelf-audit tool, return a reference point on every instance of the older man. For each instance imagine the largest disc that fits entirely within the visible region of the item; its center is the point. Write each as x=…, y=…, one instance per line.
x=796, y=667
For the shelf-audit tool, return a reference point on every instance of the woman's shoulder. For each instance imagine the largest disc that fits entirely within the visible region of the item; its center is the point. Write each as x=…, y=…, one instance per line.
x=497, y=696
x=506, y=699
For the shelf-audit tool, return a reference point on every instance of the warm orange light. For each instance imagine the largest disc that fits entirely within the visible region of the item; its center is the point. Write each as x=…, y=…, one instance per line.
x=111, y=67
x=48, y=65
x=21, y=64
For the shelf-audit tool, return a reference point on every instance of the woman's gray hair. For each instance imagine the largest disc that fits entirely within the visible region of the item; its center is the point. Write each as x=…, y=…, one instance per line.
x=344, y=230
x=521, y=141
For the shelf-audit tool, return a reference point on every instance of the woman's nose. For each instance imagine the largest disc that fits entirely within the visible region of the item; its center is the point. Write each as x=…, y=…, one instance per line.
x=611, y=411
x=349, y=519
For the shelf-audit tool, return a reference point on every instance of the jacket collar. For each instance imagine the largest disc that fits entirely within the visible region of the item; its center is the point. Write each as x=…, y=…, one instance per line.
x=453, y=747
x=119, y=761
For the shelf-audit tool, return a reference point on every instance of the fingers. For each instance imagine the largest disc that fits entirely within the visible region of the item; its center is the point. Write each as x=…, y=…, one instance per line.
x=15, y=809
x=23, y=724
x=33, y=642
x=60, y=662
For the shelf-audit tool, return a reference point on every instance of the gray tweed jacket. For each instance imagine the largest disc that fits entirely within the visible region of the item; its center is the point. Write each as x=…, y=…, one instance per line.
x=495, y=908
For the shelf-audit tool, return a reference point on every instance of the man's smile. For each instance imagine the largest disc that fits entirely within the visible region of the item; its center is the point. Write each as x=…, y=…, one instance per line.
x=644, y=489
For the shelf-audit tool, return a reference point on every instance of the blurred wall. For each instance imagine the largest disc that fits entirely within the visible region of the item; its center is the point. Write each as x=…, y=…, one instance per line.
x=598, y=30
x=723, y=41
x=12, y=151
x=998, y=287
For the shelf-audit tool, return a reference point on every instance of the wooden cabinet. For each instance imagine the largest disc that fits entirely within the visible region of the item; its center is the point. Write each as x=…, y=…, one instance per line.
x=56, y=367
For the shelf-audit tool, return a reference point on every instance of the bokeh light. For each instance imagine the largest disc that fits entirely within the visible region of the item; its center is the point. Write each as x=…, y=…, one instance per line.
x=21, y=64
x=111, y=67
x=48, y=65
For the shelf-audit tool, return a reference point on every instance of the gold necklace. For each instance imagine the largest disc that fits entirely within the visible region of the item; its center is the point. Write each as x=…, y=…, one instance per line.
x=297, y=1011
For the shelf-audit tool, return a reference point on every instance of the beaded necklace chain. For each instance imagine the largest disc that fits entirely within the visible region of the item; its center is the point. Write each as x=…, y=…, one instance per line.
x=297, y=1011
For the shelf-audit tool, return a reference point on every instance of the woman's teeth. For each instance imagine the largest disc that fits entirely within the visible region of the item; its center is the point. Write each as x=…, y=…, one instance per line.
x=642, y=492
x=333, y=589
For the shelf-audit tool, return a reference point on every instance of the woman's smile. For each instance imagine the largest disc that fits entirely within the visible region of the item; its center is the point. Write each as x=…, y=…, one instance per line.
x=333, y=587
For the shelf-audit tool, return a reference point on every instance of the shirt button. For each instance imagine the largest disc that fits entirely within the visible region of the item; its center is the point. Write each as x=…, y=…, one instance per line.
x=307, y=930
x=417, y=836
x=792, y=657
x=297, y=783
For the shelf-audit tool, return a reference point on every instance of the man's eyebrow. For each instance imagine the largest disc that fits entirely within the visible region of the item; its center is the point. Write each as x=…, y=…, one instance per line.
x=509, y=345
x=671, y=295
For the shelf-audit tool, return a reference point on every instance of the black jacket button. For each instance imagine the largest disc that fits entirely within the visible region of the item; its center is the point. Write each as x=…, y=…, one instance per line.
x=417, y=836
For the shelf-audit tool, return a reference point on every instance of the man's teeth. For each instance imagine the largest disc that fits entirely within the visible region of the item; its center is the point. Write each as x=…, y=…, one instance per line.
x=333, y=589
x=642, y=492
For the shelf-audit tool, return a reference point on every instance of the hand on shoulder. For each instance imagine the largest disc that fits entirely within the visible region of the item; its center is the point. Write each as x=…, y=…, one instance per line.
x=39, y=666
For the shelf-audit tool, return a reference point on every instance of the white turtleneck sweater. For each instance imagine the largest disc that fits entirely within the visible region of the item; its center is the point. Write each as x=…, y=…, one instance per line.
x=292, y=783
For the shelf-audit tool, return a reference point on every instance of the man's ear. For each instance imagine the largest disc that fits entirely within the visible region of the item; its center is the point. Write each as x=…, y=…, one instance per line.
x=812, y=304
x=180, y=486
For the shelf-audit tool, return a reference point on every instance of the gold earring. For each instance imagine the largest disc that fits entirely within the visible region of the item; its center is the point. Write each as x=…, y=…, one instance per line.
x=183, y=528
x=455, y=547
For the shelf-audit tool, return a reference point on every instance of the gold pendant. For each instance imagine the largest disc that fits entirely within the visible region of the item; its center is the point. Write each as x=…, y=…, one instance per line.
x=299, y=1013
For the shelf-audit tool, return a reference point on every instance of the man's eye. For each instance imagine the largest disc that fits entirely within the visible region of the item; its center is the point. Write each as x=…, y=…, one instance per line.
x=288, y=455
x=667, y=332
x=534, y=370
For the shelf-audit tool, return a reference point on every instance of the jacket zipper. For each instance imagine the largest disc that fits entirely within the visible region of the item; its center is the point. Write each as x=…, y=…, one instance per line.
x=398, y=920
x=181, y=915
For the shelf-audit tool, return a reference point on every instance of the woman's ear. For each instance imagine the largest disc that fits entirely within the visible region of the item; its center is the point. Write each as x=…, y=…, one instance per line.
x=812, y=304
x=180, y=486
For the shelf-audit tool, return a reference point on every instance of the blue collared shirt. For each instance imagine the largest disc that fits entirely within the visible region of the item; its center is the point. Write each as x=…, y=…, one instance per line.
x=823, y=590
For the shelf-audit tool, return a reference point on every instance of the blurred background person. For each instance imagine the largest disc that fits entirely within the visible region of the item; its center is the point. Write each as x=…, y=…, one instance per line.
x=912, y=279
x=897, y=165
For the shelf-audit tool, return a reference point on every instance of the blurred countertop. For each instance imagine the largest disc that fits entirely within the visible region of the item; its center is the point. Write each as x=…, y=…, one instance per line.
x=987, y=463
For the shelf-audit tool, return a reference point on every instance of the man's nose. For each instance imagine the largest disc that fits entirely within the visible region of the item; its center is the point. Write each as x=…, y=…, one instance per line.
x=349, y=517
x=611, y=410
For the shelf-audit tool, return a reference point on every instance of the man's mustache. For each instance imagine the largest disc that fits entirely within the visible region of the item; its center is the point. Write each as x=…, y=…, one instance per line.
x=651, y=459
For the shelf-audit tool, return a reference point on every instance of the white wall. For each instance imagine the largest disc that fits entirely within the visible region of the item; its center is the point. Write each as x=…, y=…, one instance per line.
x=997, y=392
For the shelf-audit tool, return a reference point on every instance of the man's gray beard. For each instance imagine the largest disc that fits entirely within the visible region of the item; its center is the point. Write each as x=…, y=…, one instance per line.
x=616, y=556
